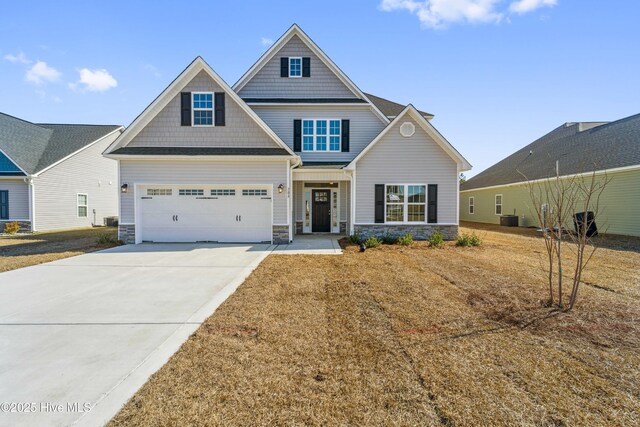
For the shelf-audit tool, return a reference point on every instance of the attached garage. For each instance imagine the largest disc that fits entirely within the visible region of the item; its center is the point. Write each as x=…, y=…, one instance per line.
x=204, y=213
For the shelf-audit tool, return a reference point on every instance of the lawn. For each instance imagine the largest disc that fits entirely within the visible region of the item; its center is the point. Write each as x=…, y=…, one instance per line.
x=24, y=250
x=409, y=336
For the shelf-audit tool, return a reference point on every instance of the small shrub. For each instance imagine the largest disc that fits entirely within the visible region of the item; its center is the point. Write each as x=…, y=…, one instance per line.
x=406, y=240
x=107, y=239
x=436, y=240
x=388, y=239
x=466, y=239
x=355, y=239
x=373, y=242
x=11, y=227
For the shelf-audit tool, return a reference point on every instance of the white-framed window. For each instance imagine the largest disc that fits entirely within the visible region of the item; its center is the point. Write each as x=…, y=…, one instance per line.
x=254, y=192
x=472, y=206
x=82, y=201
x=223, y=192
x=191, y=192
x=202, y=103
x=295, y=67
x=322, y=135
x=159, y=192
x=405, y=202
x=498, y=204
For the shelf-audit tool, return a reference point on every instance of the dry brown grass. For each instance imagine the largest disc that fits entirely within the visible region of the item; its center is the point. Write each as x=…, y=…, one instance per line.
x=409, y=336
x=30, y=249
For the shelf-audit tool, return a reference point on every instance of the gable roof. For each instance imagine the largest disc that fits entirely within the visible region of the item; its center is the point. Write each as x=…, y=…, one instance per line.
x=463, y=164
x=295, y=30
x=161, y=101
x=34, y=147
x=579, y=148
x=389, y=108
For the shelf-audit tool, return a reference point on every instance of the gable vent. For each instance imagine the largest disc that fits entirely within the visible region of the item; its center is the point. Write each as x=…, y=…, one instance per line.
x=407, y=129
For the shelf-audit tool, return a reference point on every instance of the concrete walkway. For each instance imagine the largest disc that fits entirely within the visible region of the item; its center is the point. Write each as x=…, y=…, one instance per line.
x=91, y=329
x=316, y=244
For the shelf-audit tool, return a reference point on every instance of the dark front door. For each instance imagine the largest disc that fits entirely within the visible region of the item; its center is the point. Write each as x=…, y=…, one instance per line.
x=4, y=204
x=321, y=211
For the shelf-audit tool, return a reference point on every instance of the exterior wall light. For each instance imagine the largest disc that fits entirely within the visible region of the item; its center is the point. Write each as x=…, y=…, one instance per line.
x=280, y=188
x=124, y=188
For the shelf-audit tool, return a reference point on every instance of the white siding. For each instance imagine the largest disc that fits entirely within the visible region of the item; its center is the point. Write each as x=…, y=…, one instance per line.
x=135, y=172
x=87, y=172
x=364, y=126
x=240, y=129
x=399, y=160
x=18, y=198
x=323, y=83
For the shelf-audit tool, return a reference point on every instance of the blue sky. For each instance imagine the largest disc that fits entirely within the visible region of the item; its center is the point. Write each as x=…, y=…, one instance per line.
x=497, y=74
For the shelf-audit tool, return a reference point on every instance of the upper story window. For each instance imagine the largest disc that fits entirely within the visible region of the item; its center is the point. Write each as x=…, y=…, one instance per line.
x=321, y=135
x=295, y=67
x=202, y=108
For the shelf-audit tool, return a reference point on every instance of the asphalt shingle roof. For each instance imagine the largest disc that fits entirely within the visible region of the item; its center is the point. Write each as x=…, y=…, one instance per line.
x=605, y=146
x=36, y=146
x=389, y=108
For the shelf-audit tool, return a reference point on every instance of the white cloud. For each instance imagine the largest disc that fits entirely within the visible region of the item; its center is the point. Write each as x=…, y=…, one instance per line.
x=266, y=41
x=441, y=13
x=526, y=6
x=152, y=69
x=95, y=80
x=41, y=73
x=20, y=58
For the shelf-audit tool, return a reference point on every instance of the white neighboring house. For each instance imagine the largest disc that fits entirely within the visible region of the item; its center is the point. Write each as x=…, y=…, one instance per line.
x=54, y=177
x=295, y=147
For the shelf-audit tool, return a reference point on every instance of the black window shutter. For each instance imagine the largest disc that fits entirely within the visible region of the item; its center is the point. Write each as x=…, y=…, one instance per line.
x=345, y=136
x=284, y=67
x=297, y=135
x=379, y=203
x=306, y=67
x=219, y=108
x=185, y=108
x=432, y=203
x=4, y=204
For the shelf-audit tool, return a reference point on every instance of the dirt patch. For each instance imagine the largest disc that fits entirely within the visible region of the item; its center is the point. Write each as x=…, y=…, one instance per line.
x=30, y=249
x=408, y=336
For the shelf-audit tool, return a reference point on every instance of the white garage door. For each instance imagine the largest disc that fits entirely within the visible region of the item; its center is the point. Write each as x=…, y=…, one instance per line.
x=196, y=213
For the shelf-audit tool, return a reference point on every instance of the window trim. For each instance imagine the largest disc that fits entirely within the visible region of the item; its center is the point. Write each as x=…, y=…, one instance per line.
x=405, y=204
x=78, y=205
x=212, y=109
x=315, y=135
x=289, y=68
x=472, y=205
x=495, y=205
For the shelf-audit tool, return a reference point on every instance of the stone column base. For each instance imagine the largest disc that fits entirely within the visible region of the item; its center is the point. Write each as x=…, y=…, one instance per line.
x=280, y=234
x=127, y=233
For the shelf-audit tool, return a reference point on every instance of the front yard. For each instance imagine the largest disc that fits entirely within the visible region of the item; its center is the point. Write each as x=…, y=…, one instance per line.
x=24, y=250
x=409, y=336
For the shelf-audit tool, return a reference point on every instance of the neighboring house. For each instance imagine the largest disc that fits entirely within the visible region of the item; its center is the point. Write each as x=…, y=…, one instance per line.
x=53, y=176
x=294, y=147
x=608, y=149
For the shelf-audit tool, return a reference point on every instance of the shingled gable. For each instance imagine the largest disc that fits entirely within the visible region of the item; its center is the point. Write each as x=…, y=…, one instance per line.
x=194, y=69
x=418, y=117
x=296, y=31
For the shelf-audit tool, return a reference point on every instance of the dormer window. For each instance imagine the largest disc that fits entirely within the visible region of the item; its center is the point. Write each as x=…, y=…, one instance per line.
x=295, y=67
x=202, y=108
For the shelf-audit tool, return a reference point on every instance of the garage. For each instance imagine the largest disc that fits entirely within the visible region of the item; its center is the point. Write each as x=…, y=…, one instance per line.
x=204, y=213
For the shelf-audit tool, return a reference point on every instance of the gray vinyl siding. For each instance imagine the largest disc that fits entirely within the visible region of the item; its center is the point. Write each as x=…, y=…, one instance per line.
x=364, y=127
x=203, y=172
x=18, y=198
x=87, y=172
x=323, y=83
x=399, y=160
x=240, y=130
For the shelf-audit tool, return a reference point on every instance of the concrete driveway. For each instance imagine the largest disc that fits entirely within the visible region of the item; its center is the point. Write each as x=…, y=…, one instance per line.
x=79, y=336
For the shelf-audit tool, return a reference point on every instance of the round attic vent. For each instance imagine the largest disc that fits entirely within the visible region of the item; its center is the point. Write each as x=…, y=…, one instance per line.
x=407, y=129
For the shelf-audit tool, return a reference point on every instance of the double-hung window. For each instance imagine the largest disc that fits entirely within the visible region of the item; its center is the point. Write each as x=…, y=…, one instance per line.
x=82, y=204
x=321, y=135
x=472, y=205
x=202, y=108
x=295, y=67
x=498, y=204
x=405, y=203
